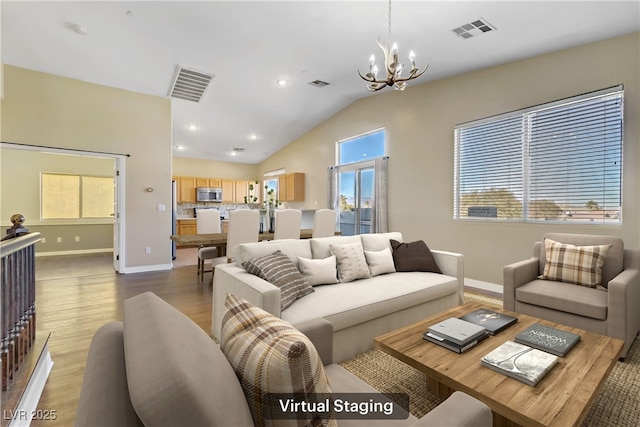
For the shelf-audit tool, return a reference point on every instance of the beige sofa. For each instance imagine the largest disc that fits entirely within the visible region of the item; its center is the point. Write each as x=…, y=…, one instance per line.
x=358, y=310
x=611, y=309
x=158, y=368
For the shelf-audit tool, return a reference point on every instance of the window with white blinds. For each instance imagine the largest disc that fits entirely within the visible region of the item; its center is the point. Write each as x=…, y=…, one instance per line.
x=560, y=161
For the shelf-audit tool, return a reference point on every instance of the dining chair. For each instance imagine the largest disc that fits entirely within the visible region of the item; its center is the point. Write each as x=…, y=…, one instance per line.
x=324, y=223
x=244, y=227
x=287, y=224
x=207, y=221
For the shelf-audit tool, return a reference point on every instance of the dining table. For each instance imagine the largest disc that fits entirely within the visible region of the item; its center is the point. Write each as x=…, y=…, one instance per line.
x=219, y=240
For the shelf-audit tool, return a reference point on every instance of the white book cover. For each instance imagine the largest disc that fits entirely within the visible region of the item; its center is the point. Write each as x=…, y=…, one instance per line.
x=521, y=362
x=457, y=330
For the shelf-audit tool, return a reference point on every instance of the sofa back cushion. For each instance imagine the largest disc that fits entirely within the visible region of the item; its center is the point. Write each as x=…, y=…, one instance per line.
x=272, y=357
x=321, y=247
x=379, y=241
x=176, y=373
x=613, y=263
x=293, y=248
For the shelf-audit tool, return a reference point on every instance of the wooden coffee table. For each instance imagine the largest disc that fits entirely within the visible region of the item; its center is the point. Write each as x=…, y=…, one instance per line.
x=562, y=398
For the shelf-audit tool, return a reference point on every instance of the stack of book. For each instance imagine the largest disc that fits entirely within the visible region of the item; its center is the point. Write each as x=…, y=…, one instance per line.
x=455, y=334
x=492, y=321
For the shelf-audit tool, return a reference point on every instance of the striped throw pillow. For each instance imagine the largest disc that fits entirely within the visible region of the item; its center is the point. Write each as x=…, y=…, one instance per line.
x=271, y=357
x=280, y=271
x=580, y=265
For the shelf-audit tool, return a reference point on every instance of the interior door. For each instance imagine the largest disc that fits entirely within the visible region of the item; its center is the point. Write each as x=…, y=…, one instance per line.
x=356, y=198
x=116, y=214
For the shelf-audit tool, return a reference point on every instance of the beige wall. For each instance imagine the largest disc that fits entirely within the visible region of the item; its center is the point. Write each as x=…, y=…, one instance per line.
x=44, y=109
x=183, y=166
x=419, y=124
x=20, y=193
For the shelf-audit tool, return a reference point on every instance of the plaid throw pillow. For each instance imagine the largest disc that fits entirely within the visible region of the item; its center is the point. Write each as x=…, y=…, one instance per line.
x=271, y=356
x=580, y=265
x=280, y=271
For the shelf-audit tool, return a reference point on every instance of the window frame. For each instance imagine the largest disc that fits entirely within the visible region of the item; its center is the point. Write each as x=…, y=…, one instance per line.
x=526, y=180
x=339, y=143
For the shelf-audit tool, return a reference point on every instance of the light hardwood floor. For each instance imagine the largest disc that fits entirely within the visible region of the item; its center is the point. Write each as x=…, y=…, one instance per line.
x=73, y=308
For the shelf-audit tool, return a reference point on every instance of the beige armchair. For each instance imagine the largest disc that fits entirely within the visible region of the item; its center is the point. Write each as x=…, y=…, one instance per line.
x=611, y=309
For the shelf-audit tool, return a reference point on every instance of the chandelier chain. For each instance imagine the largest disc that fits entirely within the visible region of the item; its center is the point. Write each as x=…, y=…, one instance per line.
x=389, y=21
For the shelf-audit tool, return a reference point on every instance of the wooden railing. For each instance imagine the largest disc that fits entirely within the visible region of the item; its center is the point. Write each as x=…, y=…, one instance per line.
x=18, y=296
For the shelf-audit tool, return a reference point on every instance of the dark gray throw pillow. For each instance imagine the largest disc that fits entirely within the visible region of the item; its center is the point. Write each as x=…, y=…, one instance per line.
x=280, y=271
x=414, y=256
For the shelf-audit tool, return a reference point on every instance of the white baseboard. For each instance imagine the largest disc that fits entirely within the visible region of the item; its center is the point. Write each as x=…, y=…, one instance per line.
x=75, y=252
x=146, y=268
x=486, y=286
x=26, y=409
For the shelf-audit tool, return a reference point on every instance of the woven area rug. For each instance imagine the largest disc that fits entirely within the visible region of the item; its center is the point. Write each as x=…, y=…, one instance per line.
x=618, y=403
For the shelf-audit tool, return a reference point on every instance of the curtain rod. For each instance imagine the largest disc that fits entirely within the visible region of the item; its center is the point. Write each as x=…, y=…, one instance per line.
x=75, y=150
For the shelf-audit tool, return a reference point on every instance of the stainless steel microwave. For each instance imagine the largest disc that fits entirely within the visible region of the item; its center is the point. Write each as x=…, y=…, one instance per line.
x=208, y=194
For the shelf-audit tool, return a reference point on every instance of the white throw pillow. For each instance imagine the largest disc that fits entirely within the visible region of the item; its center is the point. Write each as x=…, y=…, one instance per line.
x=319, y=271
x=351, y=262
x=380, y=262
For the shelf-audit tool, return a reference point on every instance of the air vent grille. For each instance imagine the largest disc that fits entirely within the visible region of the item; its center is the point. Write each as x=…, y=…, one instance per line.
x=189, y=84
x=238, y=149
x=319, y=83
x=473, y=29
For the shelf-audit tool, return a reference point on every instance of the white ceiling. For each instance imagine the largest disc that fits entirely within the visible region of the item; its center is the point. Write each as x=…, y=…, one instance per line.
x=250, y=45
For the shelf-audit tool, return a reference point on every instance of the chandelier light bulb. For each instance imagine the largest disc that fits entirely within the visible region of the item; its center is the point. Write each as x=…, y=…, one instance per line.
x=372, y=60
x=412, y=56
x=374, y=71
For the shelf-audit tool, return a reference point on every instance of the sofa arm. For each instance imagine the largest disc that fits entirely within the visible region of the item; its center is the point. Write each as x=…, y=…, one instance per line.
x=451, y=264
x=623, y=317
x=514, y=275
x=320, y=332
x=104, y=397
x=231, y=279
x=459, y=409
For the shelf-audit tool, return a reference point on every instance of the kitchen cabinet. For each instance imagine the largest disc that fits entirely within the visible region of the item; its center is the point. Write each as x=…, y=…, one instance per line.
x=242, y=190
x=186, y=189
x=187, y=226
x=208, y=182
x=291, y=187
x=228, y=191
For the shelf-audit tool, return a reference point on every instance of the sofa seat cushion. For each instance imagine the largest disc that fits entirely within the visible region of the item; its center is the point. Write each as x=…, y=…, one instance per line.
x=271, y=357
x=349, y=304
x=567, y=297
x=175, y=370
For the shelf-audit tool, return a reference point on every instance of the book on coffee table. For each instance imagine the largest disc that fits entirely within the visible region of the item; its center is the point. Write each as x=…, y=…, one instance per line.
x=548, y=339
x=458, y=348
x=457, y=331
x=492, y=321
x=519, y=361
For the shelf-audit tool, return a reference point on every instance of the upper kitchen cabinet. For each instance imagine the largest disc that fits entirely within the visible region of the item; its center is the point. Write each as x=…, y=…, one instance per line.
x=228, y=191
x=291, y=187
x=209, y=182
x=186, y=189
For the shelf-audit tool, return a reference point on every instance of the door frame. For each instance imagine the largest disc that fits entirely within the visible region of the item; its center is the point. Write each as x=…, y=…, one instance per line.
x=119, y=182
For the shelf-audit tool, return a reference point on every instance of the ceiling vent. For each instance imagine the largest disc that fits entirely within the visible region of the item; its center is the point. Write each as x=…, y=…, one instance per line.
x=238, y=150
x=319, y=83
x=189, y=84
x=474, y=29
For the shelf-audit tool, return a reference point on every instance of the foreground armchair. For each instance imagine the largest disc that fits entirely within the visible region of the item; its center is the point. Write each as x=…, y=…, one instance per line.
x=608, y=306
x=159, y=368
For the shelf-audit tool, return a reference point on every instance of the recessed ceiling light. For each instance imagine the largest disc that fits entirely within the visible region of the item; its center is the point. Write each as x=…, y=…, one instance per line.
x=192, y=127
x=282, y=82
x=253, y=137
x=180, y=147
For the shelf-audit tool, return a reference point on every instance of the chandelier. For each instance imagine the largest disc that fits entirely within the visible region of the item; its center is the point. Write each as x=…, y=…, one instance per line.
x=393, y=68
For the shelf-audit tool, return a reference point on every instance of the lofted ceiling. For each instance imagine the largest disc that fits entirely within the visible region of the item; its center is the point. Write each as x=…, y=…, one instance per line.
x=249, y=45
